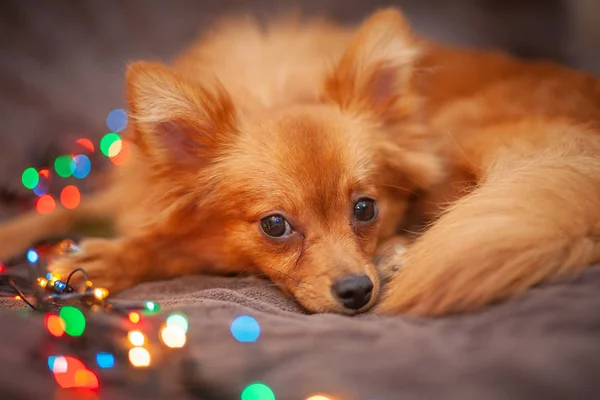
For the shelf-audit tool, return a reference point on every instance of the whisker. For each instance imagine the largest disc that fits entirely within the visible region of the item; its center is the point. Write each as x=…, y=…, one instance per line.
x=461, y=150
x=401, y=188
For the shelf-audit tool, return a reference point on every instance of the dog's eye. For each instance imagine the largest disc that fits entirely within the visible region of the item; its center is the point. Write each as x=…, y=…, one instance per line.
x=275, y=226
x=365, y=210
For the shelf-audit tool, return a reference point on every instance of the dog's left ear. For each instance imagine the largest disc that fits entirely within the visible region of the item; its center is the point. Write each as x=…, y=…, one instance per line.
x=373, y=76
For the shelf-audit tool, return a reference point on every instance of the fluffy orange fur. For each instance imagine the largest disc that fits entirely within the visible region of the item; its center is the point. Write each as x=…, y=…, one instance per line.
x=302, y=119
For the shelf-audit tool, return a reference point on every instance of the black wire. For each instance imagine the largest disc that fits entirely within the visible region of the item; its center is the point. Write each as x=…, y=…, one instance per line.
x=12, y=284
x=73, y=273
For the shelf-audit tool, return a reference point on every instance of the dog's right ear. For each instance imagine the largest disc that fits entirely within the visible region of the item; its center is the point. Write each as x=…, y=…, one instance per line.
x=373, y=76
x=177, y=120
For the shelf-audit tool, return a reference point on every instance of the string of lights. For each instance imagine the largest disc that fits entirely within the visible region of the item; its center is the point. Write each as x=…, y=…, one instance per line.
x=88, y=332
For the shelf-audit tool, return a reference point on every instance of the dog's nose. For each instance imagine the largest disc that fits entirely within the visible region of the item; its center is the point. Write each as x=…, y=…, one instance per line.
x=353, y=291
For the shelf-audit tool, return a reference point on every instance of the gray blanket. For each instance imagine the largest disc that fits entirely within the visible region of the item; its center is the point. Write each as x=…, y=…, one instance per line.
x=544, y=344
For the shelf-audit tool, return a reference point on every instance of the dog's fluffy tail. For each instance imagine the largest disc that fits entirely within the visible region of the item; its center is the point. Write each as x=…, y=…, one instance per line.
x=20, y=233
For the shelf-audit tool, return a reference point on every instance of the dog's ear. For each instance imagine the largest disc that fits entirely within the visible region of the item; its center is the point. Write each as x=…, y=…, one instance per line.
x=373, y=75
x=177, y=120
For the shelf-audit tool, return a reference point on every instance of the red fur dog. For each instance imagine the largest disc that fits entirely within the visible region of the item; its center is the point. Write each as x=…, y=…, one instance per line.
x=294, y=150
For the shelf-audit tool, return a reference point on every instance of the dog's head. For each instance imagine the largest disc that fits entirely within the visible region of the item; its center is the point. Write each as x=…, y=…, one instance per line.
x=300, y=193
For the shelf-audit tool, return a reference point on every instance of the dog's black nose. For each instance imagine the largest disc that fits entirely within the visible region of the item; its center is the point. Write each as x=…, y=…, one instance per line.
x=353, y=291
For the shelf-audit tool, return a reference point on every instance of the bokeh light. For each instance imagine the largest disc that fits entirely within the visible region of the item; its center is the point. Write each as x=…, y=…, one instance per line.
x=318, y=397
x=82, y=146
x=134, y=317
x=115, y=148
x=74, y=320
x=100, y=293
x=70, y=372
x=257, y=391
x=245, y=329
x=81, y=166
x=85, y=379
x=55, y=325
x=178, y=320
x=123, y=154
x=116, y=120
x=57, y=364
x=70, y=197
x=152, y=306
x=45, y=204
x=62, y=166
x=136, y=338
x=172, y=336
x=105, y=360
x=30, y=178
x=139, y=357
x=107, y=141
x=43, y=185
x=32, y=256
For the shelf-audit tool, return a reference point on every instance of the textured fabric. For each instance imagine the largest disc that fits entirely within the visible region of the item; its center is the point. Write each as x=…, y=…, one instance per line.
x=544, y=344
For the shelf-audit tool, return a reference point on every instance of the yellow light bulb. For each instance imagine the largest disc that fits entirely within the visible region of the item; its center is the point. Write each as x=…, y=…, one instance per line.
x=136, y=338
x=139, y=357
x=173, y=336
x=100, y=293
x=43, y=282
x=318, y=397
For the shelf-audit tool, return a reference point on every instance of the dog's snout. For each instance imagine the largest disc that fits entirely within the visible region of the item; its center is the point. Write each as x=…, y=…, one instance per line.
x=353, y=291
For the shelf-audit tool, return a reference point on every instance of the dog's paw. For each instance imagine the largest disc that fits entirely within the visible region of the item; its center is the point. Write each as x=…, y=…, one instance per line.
x=101, y=259
x=389, y=258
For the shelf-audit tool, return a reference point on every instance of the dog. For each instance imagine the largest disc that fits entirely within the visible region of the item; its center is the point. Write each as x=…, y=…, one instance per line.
x=299, y=150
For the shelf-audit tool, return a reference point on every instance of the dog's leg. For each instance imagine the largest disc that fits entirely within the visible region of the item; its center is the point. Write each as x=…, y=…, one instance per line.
x=119, y=263
x=18, y=234
x=529, y=221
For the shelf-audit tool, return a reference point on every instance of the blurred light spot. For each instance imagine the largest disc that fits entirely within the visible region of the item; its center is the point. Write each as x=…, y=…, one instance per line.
x=139, y=357
x=117, y=120
x=257, y=391
x=136, y=338
x=43, y=185
x=172, y=336
x=74, y=320
x=134, y=317
x=86, y=379
x=178, y=320
x=151, y=306
x=82, y=146
x=245, y=329
x=45, y=204
x=62, y=166
x=107, y=141
x=123, y=155
x=55, y=325
x=105, y=360
x=100, y=293
x=32, y=256
x=81, y=166
x=30, y=178
x=57, y=364
x=70, y=197
x=115, y=148
x=318, y=397
x=70, y=372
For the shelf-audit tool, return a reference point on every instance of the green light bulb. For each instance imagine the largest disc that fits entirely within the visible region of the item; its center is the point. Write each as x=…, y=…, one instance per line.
x=257, y=391
x=30, y=178
x=62, y=165
x=74, y=320
x=107, y=141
